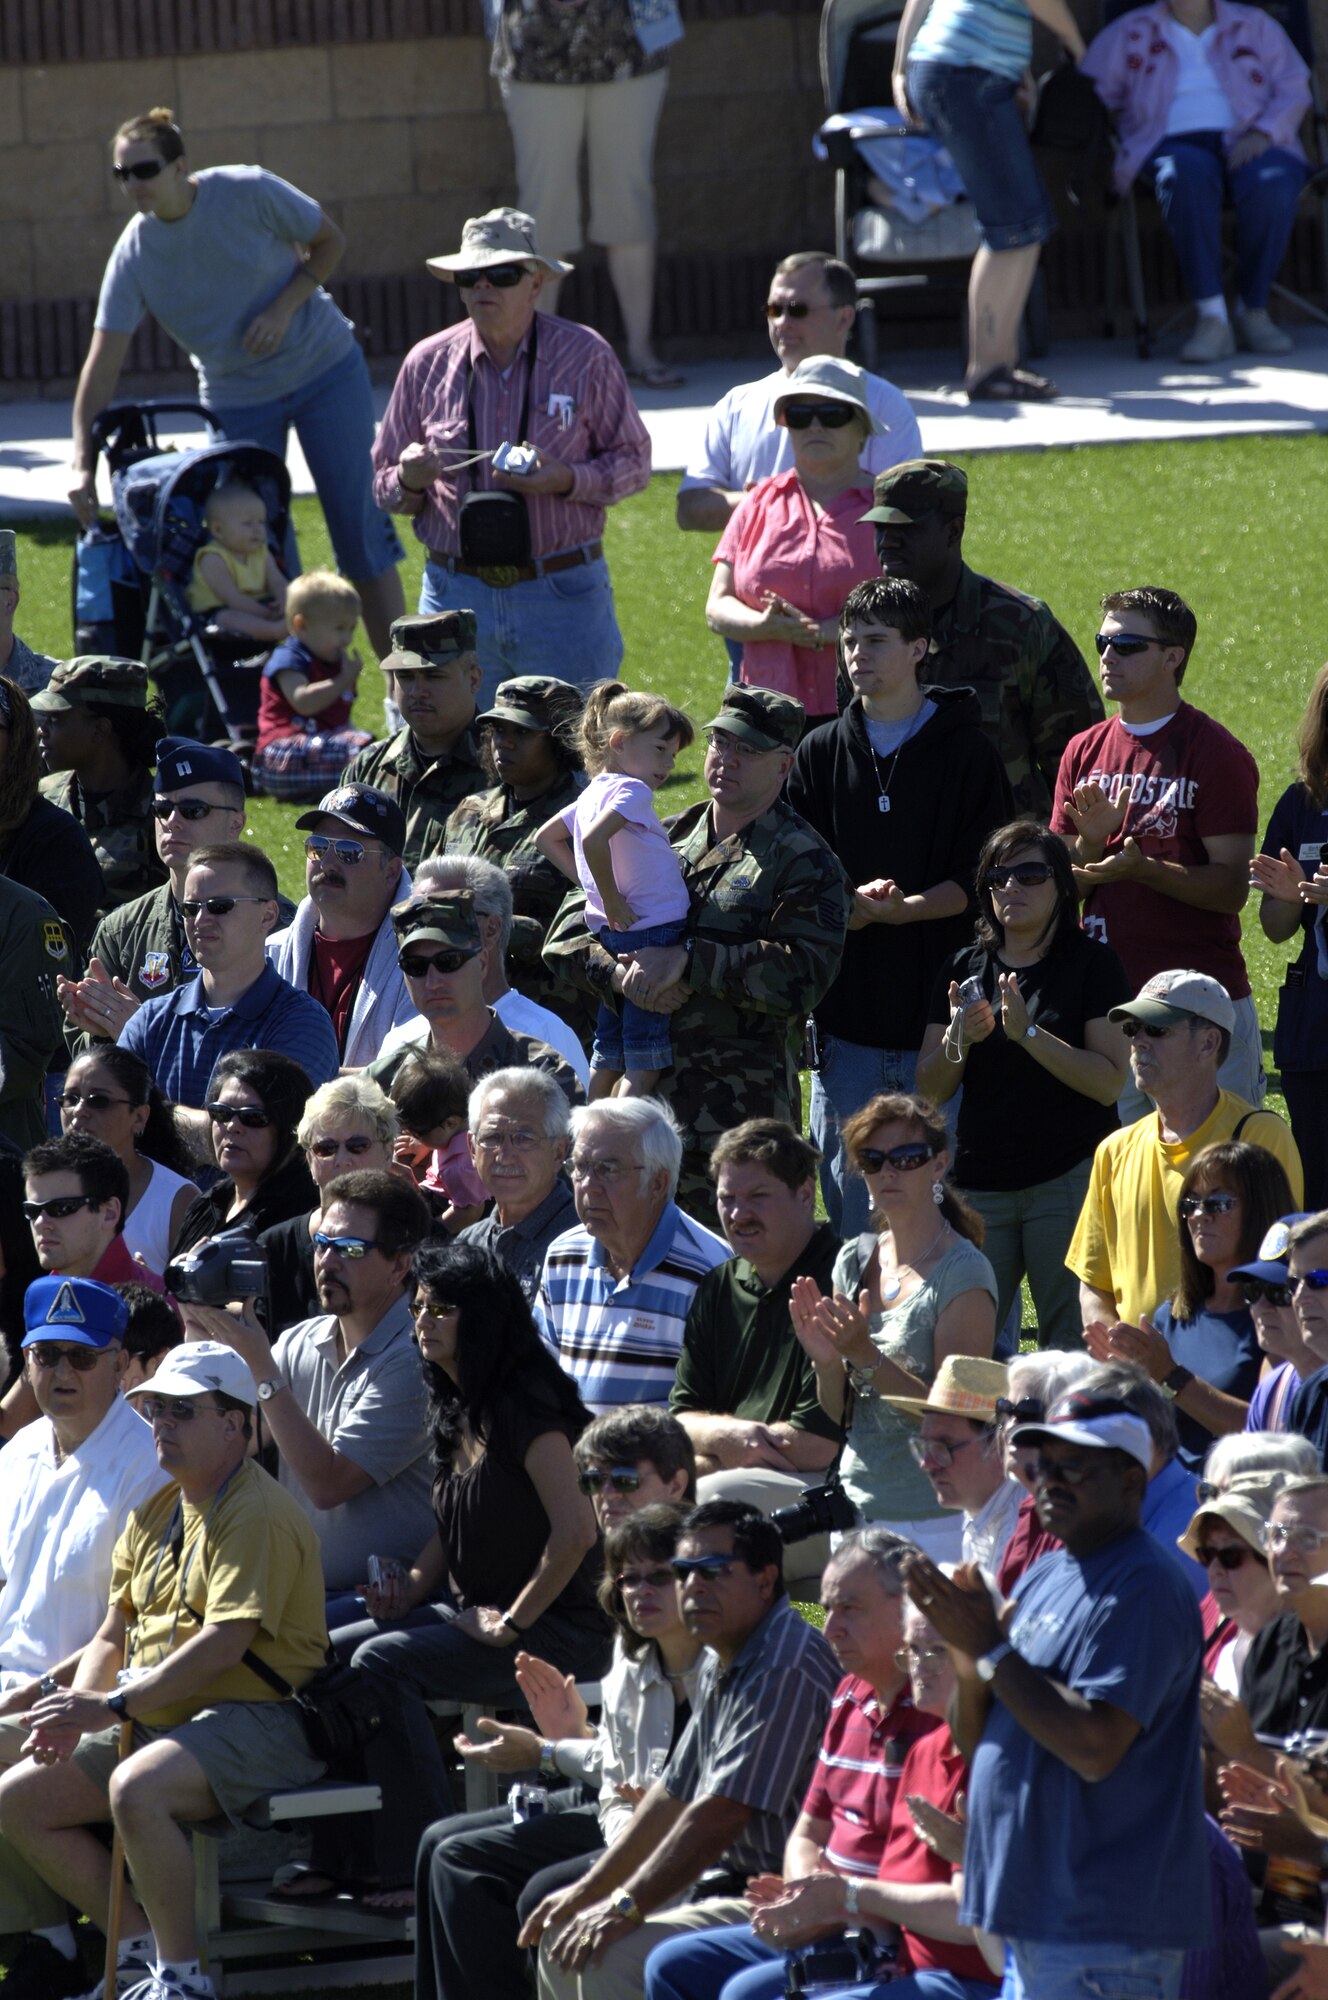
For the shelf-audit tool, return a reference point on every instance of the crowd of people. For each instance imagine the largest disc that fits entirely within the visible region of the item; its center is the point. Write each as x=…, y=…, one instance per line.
x=435, y=1276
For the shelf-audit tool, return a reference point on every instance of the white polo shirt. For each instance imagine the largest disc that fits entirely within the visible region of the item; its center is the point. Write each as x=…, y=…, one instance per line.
x=743, y=443
x=58, y=1528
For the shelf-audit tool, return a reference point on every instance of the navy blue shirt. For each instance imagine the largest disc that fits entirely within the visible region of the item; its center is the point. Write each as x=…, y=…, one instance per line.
x=1300, y=1040
x=1221, y=1348
x=1056, y=1860
x=181, y=1038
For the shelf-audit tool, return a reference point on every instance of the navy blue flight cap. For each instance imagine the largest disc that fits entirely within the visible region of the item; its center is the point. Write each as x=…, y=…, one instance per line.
x=181, y=762
x=77, y=1310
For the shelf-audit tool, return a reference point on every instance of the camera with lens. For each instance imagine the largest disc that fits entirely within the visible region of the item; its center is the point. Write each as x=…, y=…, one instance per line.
x=854, y=1958
x=217, y=1270
x=821, y=1511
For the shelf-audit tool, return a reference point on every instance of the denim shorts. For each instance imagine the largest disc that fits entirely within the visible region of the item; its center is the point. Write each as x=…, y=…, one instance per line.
x=973, y=113
x=636, y=1038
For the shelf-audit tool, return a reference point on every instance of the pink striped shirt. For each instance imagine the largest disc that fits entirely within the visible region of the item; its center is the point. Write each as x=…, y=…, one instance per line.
x=581, y=413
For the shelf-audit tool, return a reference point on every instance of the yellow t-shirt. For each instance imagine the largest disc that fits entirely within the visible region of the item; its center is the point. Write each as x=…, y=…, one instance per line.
x=251, y=1553
x=250, y=573
x=1127, y=1239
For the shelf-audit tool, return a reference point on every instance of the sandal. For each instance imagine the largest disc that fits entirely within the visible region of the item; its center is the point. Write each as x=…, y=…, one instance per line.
x=1011, y=385
x=658, y=375
x=299, y=1883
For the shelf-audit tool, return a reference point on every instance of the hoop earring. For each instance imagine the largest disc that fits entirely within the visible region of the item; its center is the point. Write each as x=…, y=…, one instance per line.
x=937, y=1192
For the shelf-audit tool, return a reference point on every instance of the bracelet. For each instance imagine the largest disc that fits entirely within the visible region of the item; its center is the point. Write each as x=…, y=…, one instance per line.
x=862, y=1381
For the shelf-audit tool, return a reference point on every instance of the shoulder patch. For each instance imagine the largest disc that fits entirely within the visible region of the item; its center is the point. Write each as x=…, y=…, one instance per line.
x=155, y=969
x=53, y=937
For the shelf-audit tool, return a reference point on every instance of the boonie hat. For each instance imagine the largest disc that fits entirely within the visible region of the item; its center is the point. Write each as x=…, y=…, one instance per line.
x=363, y=810
x=181, y=761
x=1245, y=1506
x=78, y=1310
x=1102, y=1423
x=1167, y=996
x=965, y=1386
x=418, y=643
x=761, y=717
x=534, y=701
x=918, y=486
x=499, y=236
x=1271, y=1265
x=9, y=557
x=197, y=1369
x=93, y=677
x=448, y=919
x=833, y=381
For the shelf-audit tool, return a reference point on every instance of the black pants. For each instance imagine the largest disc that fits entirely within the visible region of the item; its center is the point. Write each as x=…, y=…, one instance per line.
x=1306, y=1094
x=477, y=1879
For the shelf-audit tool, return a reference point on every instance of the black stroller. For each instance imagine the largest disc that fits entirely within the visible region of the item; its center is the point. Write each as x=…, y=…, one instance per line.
x=131, y=585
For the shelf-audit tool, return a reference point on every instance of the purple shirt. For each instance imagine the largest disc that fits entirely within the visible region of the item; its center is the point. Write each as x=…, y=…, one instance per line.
x=1274, y=1392
x=645, y=867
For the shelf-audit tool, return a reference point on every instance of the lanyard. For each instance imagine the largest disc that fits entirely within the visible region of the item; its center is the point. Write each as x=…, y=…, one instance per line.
x=524, y=419
x=173, y=1539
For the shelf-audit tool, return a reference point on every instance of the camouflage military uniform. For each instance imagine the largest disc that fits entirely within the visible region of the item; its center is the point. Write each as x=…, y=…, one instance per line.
x=119, y=825
x=427, y=789
x=769, y=911
x=28, y=670
x=35, y=946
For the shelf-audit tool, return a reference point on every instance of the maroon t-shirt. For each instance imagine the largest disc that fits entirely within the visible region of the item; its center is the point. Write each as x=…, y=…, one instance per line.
x=935, y=1771
x=1029, y=1541
x=335, y=966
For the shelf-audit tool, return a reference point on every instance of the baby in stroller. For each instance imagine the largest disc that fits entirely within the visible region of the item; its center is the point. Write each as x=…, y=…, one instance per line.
x=305, y=740
x=236, y=581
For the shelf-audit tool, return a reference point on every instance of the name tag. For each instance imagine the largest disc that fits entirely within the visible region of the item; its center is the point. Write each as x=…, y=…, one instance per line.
x=1309, y=851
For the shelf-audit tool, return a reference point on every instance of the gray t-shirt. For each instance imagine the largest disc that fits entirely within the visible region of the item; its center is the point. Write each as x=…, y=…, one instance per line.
x=204, y=278
x=371, y=1408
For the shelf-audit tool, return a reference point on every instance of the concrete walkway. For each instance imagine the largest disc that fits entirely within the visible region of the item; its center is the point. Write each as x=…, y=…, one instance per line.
x=1108, y=397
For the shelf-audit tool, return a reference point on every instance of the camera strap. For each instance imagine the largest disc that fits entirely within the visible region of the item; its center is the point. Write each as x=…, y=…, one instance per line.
x=523, y=421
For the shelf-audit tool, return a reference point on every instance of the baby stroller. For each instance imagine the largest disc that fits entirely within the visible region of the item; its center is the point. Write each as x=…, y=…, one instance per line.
x=137, y=576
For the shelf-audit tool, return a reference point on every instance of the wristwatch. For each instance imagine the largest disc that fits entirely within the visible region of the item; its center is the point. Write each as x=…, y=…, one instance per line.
x=118, y=1703
x=851, y=1899
x=509, y=1621
x=1030, y=1032
x=989, y=1662
x=548, y=1763
x=863, y=1380
x=626, y=1905
x=272, y=1387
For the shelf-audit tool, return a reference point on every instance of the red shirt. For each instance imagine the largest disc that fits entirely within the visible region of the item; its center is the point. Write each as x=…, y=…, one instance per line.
x=116, y=1266
x=1029, y=1541
x=276, y=717
x=335, y=965
x=935, y=1771
x=858, y=1768
x=1189, y=781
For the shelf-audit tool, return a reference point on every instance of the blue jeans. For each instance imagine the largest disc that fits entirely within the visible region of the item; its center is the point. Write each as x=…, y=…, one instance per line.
x=973, y=113
x=636, y=1038
x=849, y=1075
x=564, y=625
x=1190, y=176
x=1084, y=1971
x=334, y=420
x=701, y=1965
x=1028, y=1232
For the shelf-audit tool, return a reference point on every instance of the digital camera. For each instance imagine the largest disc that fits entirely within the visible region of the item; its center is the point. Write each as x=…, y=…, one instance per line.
x=821, y=1510
x=220, y=1268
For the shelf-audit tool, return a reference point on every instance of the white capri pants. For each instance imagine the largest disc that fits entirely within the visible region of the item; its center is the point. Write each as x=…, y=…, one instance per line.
x=617, y=123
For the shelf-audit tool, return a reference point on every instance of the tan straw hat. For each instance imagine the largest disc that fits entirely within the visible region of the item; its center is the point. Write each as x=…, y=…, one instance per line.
x=501, y=236
x=965, y=1386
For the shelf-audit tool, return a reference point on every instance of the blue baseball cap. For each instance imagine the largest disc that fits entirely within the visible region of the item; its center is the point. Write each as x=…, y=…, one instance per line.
x=1270, y=1266
x=181, y=762
x=78, y=1310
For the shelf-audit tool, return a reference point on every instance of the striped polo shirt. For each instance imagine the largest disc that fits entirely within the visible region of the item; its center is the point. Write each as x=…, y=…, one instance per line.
x=858, y=1768
x=620, y=1338
x=978, y=34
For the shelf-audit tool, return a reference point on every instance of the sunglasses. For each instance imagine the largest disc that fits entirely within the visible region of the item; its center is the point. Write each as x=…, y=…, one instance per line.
x=517, y=1142
x=249, y=1116
x=1232, y=1557
x=1072, y=1473
x=1205, y=1204
x=178, y=1409
x=908, y=1657
x=781, y=311
x=645, y=1579
x=1255, y=1291
x=1124, y=644
x=622, y=1479
x=327, y=1149
x=1313, y=1281
x=96, y=1100
x=81, y=1359
x=421, y=1310
x=716, y=1568
x=353, y=1247
x=59, y=1206
x=830, y=416
x=1028, y=874
x=1154, y=1031
x=1028, y=1410
x=416, y=965
x=218, y=906
x=935, y=1451
x=142, y=170
x=349, y=851
x=186, y=809
x=904, y=1159
x=504, y=276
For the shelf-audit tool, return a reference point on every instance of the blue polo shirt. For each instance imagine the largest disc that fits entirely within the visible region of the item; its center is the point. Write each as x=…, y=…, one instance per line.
x=181, y=1038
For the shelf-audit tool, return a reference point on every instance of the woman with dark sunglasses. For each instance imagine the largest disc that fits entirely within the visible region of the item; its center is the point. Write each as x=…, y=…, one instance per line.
x=109, y=1094
x=255, y=1102
x=1019, y=1019
x=1226, y=1539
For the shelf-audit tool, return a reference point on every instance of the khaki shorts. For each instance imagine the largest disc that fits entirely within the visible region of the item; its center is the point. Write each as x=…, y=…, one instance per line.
x=245, y=1749
x=617, y=123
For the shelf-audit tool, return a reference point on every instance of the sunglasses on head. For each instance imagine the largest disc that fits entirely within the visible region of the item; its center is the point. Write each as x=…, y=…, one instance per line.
x=141, y=170
x=418, y=964
x=58, y=1207
x=186, y=809
x=1124, y=644
x=249, y=1115
x=1028, y=874
x=830, y=416
x=1205, y=1204
x=349, y=851
x=218, y=906
x=1232, y=1557
x=1256, y=1291
x=504, y=276
x=327, y=1149
x=778, y=310
x=621, y=1478
x=1028, y=1410
x=352, y=1247
x=904, y=1159
x=96, y=1100
x=81, y=1359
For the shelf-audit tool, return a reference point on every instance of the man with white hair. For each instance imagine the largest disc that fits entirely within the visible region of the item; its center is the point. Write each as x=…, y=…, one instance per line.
x=520, y=1129
x=616, y=1290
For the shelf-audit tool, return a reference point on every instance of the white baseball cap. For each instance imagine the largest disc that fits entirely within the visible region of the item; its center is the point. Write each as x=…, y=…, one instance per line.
x=1165, y=997
x=200, y=1368
x=1101, y=1422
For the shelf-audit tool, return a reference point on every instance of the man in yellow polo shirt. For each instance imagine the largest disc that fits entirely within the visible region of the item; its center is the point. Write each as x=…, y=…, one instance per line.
x=1125, y=1250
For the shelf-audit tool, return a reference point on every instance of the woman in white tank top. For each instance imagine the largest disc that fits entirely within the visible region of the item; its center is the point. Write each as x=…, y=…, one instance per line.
x=109, y=1095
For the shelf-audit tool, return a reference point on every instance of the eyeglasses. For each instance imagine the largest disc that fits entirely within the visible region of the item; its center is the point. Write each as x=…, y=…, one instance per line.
x=186, y=809
x=249, y=1115
x=1229, y=1558
x=1294, y=1535
x=1124, y=644
x=904, y=1159
x=936, y=1450
x=352, y=852
x=59, y=1206
x=179, y=1409
x=777, y=309
x=1153, y=1029
x=1255, y=1291
x=830, y=416
x=621, y=1478
x=1313, y=1281
x=1028, y=874
x=352, y=1247
x=141, y=170
x=327, y=1149
x=908, y=1657
x=645, y=1579
x=218, y=906
x=714, y=1568
x=81, y=1359
x=416, y=965
x=1028, y=1410
x=504, y=276
x=421, y=1310
x=519, y=1142
x=1205, y=1204
x=605, y=1173
x=96, y=1100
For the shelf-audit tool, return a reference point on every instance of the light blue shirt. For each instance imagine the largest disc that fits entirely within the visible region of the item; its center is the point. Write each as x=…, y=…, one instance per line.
x=995, y=35
x=743, y=442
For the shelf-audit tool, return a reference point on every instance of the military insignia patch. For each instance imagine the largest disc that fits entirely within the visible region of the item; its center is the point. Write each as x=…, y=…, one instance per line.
x=155, y=969
x=53, y=937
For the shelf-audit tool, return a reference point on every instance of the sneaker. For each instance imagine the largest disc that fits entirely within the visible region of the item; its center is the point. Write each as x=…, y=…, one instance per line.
x=131, y=1971
x=39, y=1972
x=164, y=1986
x=1212, y=340
x=1259, y=334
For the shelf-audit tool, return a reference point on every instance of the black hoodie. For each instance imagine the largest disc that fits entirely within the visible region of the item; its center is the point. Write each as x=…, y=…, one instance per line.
x=948, y=790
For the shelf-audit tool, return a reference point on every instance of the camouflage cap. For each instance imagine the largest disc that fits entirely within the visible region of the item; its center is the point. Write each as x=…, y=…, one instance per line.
x=448, y=919
x=9, y=557
x=93, y=677
x=761, y=717
x=919, y=486
x=418, y=643
x=534, y=701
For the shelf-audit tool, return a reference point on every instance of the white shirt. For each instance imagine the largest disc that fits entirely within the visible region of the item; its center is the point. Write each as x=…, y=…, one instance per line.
x=743, y=442
x=1200, y=104
x=58, y=1528
x=987, y=1532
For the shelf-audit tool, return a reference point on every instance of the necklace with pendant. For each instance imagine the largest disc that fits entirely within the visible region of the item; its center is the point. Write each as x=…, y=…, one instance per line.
x=894, y=1284
x=887, y=778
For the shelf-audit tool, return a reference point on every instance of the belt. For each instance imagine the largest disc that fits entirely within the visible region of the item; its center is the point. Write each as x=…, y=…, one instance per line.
x=501, y=576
